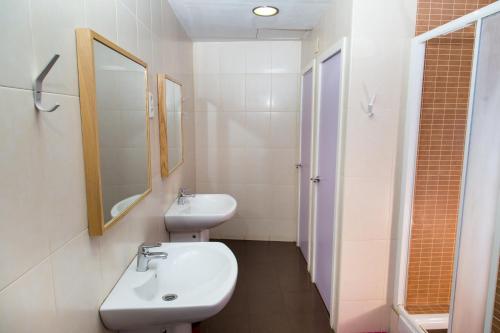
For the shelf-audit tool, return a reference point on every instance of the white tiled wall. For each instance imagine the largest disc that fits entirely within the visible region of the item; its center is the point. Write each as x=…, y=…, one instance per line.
x=247, y=103
x=53, y=277
x=379, y=34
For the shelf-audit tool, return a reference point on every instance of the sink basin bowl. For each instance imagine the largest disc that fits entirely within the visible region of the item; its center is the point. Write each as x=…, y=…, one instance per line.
x=197, y=280
x=201, y=212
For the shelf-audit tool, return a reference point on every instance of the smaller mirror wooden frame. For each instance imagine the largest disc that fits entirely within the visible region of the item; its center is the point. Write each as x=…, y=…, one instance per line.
x=98, y=220
x=167, y=129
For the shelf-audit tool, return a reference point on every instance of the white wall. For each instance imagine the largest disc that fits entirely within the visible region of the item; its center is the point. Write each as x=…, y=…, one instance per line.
x=247, y=102
x=53, y=277
x=379, y=35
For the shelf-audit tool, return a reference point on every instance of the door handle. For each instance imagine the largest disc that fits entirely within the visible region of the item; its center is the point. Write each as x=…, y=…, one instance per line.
x=316, y=179
x=298, y=165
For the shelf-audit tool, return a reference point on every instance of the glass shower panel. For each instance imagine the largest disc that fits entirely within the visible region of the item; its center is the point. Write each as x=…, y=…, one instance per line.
x=438, y=174
x=482, y=188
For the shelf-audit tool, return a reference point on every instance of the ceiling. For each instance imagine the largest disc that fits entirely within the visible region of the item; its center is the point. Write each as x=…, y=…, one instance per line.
x=234, y=20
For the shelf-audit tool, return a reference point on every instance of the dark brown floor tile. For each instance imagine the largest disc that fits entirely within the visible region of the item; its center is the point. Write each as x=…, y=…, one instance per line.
x=310, y=323
x=260, y=277
x=233, y=324
x=301, y=302
x=266, y=302
x=270, y=323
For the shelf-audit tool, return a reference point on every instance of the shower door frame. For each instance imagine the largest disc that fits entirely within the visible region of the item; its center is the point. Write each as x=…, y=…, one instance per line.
x=411, y=136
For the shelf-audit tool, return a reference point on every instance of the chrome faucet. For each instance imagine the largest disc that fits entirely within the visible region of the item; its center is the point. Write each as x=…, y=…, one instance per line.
x=182, y=195
x=144, y=256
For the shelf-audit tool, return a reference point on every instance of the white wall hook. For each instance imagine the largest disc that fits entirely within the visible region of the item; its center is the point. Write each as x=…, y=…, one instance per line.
x=37, y=89
x=371, y=105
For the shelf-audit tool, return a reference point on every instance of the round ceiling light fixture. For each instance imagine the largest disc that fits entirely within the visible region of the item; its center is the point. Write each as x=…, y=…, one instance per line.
x=265, y=11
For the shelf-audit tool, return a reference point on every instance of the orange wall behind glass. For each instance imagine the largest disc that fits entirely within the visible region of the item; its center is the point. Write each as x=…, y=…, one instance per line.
x=447, y=74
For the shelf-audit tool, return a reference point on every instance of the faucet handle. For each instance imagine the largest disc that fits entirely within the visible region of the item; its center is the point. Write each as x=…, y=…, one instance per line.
x=144, y=247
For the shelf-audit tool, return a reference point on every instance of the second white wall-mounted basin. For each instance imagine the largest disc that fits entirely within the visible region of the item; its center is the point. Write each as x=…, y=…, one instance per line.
x=201, y=212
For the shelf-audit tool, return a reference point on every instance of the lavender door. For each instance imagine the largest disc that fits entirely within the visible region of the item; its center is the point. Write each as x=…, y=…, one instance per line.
x=327, y=170
x=305, y=161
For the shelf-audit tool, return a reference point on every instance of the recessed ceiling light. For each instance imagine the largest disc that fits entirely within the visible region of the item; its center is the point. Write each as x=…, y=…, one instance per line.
x=266, y=11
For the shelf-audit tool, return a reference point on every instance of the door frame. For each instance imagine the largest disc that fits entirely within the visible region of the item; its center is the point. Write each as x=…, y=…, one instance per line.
x=339, y=47
x=311, y=66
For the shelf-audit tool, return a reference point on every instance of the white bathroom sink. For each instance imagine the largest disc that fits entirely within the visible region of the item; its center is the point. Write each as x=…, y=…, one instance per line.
x=203, y=211
x=201, y=275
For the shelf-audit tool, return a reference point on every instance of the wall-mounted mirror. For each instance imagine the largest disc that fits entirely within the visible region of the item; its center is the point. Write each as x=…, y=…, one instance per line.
x=170, y=114
x=115, y=129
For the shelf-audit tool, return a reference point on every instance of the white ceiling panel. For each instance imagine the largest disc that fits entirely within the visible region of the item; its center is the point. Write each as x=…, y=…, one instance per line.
x=234, y=20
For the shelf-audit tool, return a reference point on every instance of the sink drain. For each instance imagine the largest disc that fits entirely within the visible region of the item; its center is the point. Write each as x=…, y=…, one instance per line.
x=169, y=297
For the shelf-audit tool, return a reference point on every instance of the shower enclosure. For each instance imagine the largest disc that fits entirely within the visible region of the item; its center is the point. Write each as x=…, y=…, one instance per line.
x=448, y=252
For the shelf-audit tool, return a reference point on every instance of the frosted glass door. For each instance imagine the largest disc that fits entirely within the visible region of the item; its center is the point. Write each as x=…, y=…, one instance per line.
x=327, y=170
x=480, y=208
x=305, y=161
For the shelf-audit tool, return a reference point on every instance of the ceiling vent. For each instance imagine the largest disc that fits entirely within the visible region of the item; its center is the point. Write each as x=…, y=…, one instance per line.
x=283, y=34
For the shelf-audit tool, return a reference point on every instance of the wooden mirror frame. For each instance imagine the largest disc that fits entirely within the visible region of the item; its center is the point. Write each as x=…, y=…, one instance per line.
x=162, y=121
x=90, y=128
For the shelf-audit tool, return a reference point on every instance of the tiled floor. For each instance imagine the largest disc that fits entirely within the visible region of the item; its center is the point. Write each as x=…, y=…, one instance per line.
x=273, y=293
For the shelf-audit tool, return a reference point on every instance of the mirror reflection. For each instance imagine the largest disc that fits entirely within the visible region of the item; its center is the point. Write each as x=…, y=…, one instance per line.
x=123, y=133
x=170, y=113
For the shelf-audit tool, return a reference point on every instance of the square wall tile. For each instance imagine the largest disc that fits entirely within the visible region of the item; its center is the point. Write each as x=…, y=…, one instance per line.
x=364, y=270
x=156, y=17
x=232, y=229
x=16, y=62
x=144, y=12
x=258, y=164
x=363, y=316
x=127, y=27
x=233, y=58
x=283, y=167
x=283, y=230
x=78, y=285
x=24, y=212
x=232, y=131
x=144, y=43
x=233, y=92
x=258, y=92
x=285, y=92
x=374, y=158
x=28, y=304
x=62, y=155
x=130, y=5
x=55, y=34
x=286, y=57
x=207, y=93
x=258, y=205
x=373, y=222
x=205, y=129
x=206, y=58
x=258, y=127
x=100, y=16
x=284, y=130
x=258, y=229
x=284, y=203
x=258, y=57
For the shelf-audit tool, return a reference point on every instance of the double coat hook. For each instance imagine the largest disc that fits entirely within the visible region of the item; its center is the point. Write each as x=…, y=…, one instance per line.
x=38, y=86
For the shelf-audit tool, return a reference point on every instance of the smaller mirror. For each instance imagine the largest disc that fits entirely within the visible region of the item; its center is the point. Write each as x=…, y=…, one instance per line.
x=170, y=115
